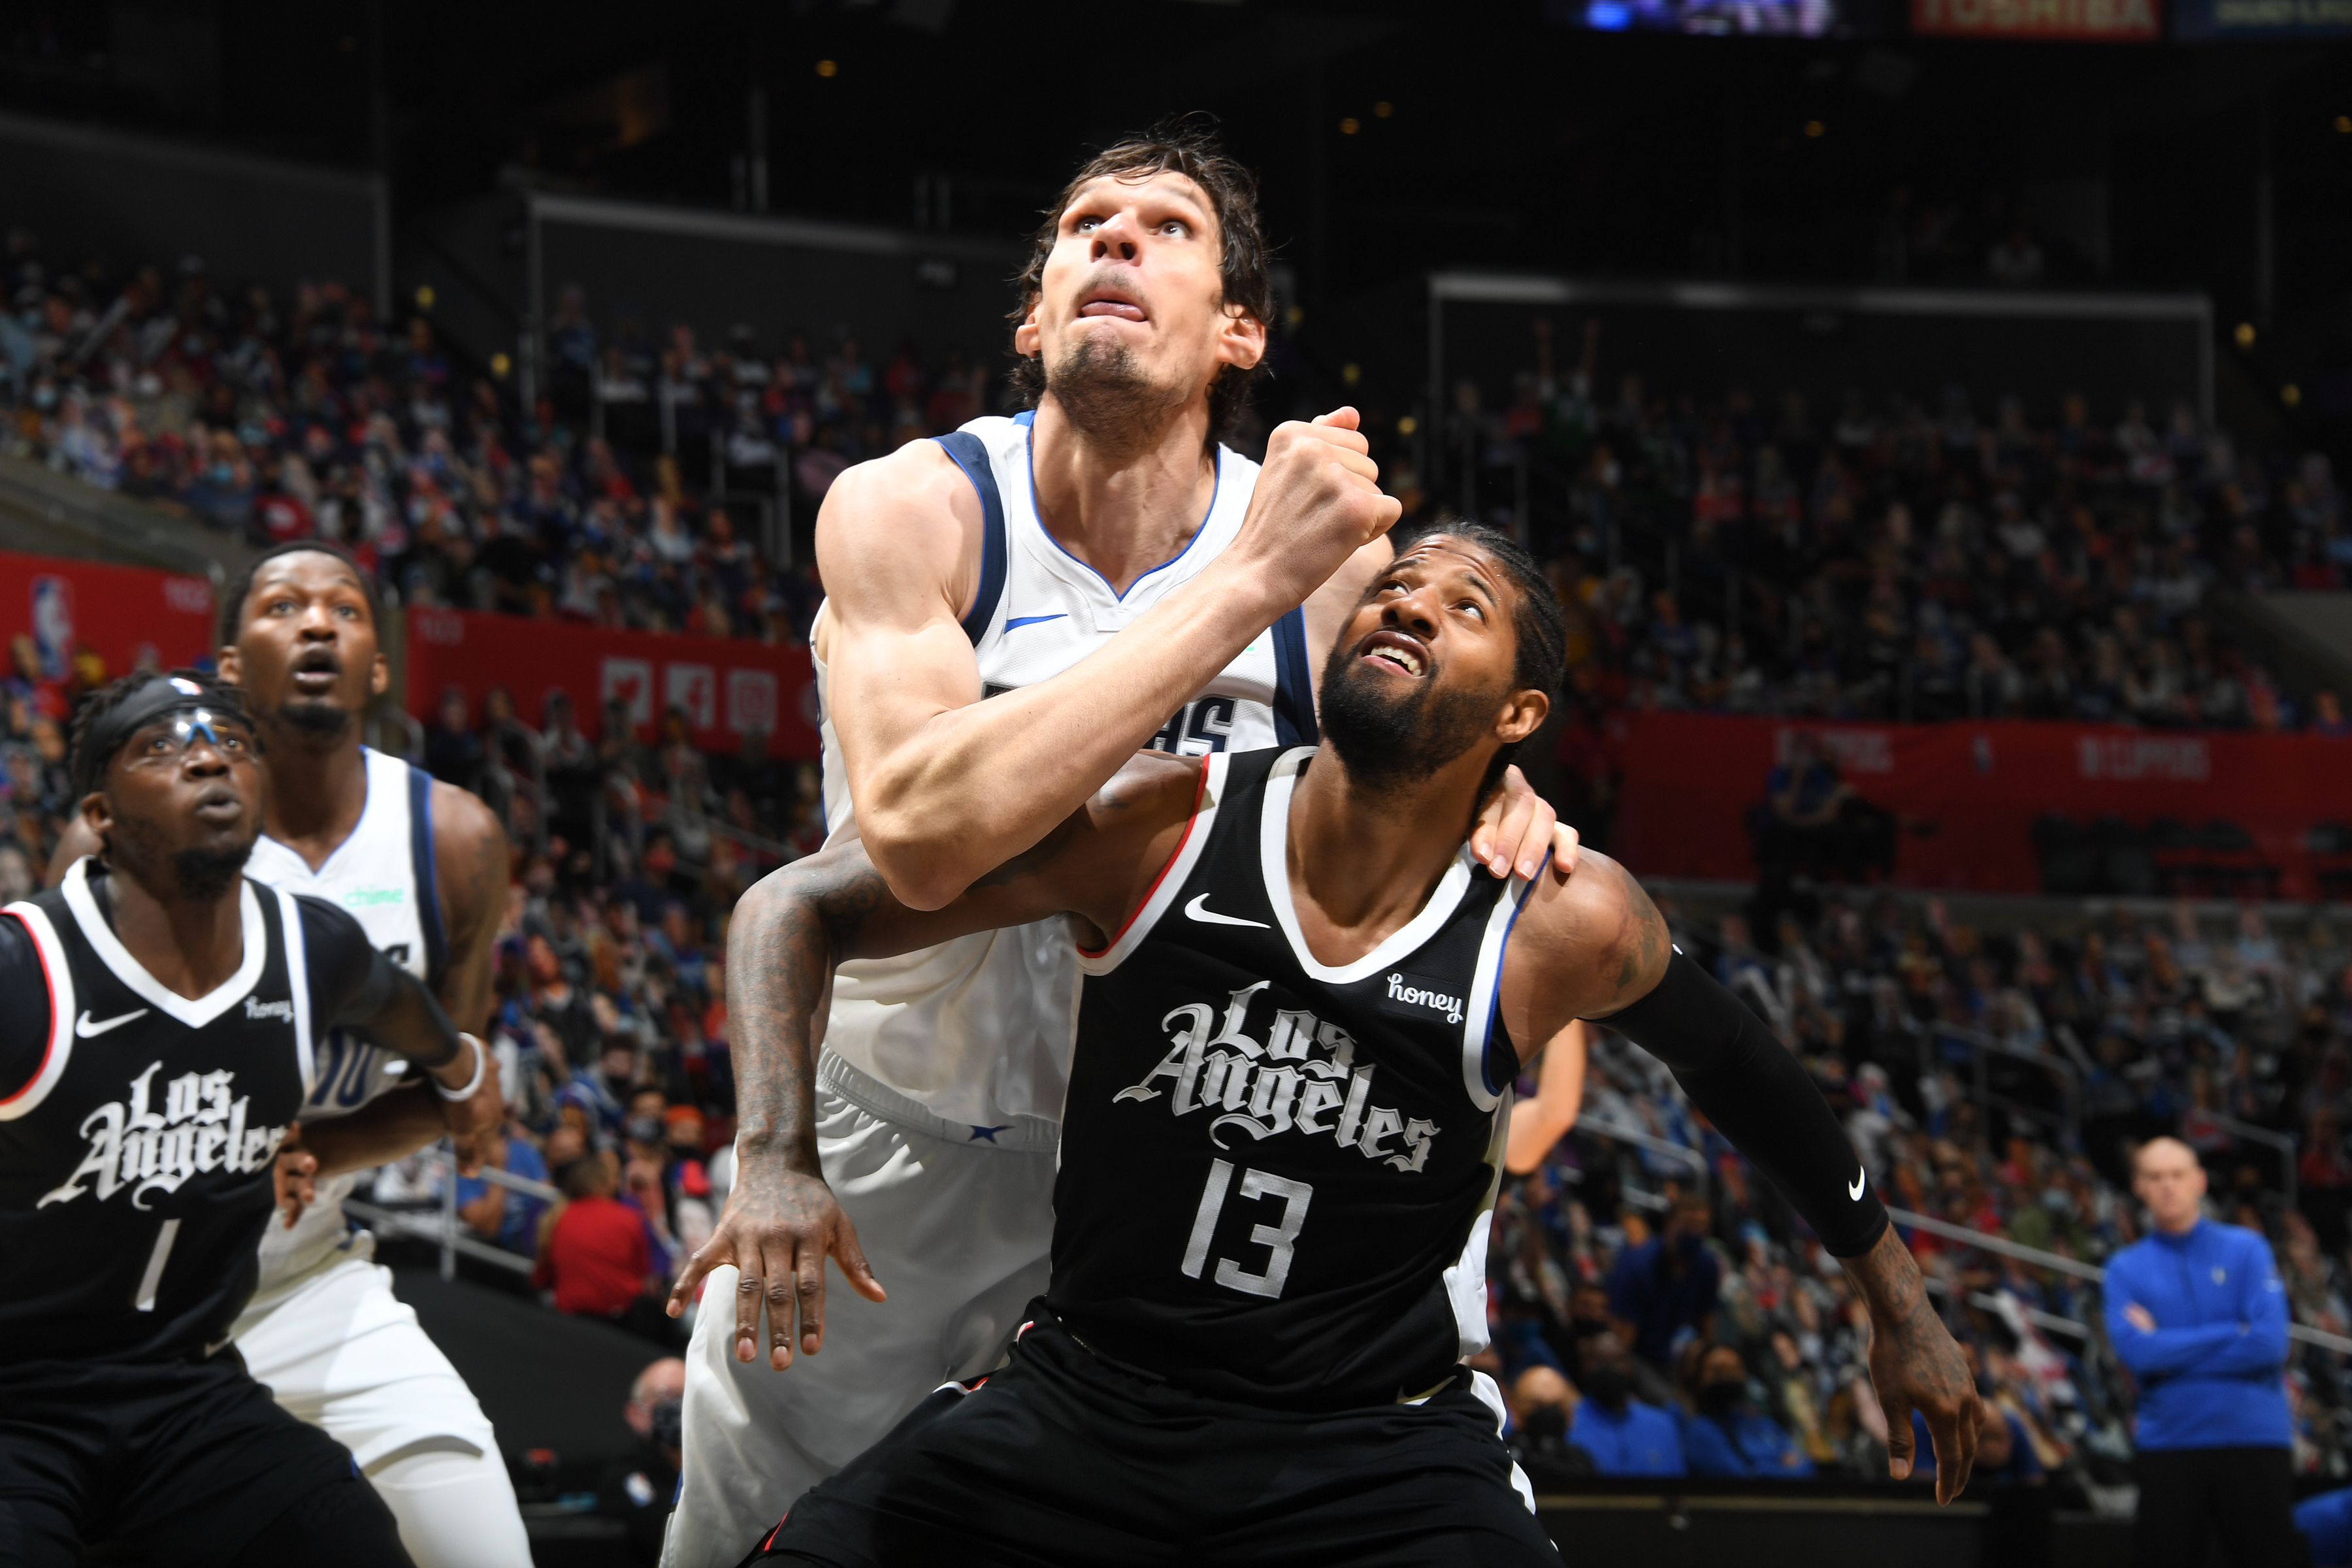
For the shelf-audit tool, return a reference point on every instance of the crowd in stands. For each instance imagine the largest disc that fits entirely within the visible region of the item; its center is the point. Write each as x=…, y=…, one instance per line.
x=1908, y=559
x=1658, y=1310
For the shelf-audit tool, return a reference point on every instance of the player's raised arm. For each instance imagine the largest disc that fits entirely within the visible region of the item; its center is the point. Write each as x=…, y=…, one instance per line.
x=948, y=786
x=1596, y=947
x=789, y=931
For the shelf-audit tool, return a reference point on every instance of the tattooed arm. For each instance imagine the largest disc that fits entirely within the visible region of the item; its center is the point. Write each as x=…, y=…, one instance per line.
x=1596, y=947
x=789, y=931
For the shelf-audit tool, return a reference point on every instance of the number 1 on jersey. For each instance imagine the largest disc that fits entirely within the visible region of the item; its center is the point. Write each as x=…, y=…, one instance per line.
x=1277, y=1238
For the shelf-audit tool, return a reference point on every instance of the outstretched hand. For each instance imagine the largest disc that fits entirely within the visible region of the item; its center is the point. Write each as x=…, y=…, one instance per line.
x=777, y=1229
x=1515, y=827
x=1915, y=1365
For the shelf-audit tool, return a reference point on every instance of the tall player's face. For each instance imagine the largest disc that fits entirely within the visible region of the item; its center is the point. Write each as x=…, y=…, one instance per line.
x=1424, y=671
x=305, y=653
x=1130, y=309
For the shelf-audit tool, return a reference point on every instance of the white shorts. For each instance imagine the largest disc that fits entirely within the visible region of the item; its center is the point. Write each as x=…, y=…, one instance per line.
x=958, y=1234
x=338, y=1349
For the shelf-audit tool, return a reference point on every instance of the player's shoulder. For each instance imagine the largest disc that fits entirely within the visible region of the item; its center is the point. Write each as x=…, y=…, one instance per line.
x=899, y=529
x=324, y=919
x=1151, y=783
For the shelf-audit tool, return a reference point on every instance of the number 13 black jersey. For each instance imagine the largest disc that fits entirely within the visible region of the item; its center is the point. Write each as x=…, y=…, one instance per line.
x=1277, y=1175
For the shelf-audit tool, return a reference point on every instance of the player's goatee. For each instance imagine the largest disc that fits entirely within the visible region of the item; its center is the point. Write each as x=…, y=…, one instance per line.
x=1106, y=396
x=1400, y=739
x=323, y=720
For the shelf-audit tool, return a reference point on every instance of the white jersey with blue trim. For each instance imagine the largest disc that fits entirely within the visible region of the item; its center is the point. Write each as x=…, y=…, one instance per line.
x=382, y=876
x=976, y=1033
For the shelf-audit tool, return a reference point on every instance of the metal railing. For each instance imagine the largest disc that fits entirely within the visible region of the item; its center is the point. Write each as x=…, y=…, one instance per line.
x=2060, y=1264
x=2278, y=1140
x=1664, y=1148
x=442, y=1227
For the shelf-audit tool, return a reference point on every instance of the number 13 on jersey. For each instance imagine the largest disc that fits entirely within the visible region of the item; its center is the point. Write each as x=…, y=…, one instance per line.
x=1278, y=1238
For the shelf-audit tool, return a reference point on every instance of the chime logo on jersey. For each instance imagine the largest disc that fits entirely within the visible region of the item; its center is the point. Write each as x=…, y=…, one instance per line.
x=1303, y=1073
x=200, y=1128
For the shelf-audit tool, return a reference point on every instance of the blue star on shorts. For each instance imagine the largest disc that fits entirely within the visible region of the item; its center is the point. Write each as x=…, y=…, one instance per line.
x=988, y=1133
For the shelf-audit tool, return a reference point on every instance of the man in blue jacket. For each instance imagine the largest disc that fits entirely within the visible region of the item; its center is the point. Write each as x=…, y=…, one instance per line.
x=2198, y=1314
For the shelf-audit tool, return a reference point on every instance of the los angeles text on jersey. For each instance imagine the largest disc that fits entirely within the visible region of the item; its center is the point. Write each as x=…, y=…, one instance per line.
x=135, y=1147
x=1301, y=1078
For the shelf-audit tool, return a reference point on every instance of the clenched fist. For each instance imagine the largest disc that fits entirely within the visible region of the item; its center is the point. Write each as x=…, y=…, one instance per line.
x=1318, y=502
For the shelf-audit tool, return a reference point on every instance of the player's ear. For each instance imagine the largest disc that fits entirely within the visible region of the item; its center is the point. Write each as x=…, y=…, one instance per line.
x=96, y=814
x=1522, y=716
x=1027, y=341
x=229, y=665
x=1242, y=340
x=379, y=677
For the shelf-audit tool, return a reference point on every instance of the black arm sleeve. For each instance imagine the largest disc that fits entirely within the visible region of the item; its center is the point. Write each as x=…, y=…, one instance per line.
x=1760, y=1098
x=24, y=1008
x=344, y=967
x=354, y=986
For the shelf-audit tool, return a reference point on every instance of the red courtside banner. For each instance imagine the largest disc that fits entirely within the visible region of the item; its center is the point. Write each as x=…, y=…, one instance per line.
x=728, y=687
x=2080, y=21
x=125, y=614
x=1690, y=778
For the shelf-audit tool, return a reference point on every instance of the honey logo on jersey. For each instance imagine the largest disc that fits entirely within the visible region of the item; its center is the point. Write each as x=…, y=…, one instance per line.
x=1302, y=1073
x=201, y=1128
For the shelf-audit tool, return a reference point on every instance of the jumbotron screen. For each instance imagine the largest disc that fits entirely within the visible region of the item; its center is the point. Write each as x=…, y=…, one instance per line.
x=1787, y=18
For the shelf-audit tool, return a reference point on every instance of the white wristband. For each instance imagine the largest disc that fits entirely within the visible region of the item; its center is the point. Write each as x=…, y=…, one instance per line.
x=481, y=1066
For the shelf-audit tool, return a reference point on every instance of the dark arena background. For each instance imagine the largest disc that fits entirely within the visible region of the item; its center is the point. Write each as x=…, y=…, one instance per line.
x=1926, y=417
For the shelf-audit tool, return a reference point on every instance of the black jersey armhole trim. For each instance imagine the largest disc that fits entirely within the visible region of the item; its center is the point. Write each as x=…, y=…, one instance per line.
x=423, y=872
x=1496, y=1028
x=51, y=1038
x=967, y=452
x=1294, y=683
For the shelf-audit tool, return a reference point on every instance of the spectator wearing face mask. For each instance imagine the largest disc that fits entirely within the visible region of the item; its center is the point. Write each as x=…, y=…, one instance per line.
x=639, y=1488
x=1544, y=1403
x=1666, y=1287
x=1725, y=1435
x=1624, y=1435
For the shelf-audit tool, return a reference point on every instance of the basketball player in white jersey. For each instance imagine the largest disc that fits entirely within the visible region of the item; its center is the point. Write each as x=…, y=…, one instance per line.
x=1011, y=611
x=423, y=867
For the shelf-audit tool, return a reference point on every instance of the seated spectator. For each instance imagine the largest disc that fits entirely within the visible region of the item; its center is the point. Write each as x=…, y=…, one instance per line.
x=1545, y=1402
x=501, y=1216
x=1810, y=820
x=1725, y=1435
x=1624, y=1435
x=453, y=752
x=639, y=1488
x=597, y=1262
x=1666, y=1287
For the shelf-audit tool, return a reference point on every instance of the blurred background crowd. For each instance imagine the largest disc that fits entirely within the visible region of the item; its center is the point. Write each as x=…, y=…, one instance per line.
x=1658, y=1311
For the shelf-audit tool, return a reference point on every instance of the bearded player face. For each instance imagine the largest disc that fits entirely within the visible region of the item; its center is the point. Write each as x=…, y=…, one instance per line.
x=1425, y=671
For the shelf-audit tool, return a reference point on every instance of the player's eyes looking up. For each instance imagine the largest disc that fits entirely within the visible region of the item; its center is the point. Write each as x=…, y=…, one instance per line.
x=167, y=740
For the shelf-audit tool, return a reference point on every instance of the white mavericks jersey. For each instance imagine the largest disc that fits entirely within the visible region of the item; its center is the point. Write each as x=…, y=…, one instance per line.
x=976, y=1033
x=382, y=876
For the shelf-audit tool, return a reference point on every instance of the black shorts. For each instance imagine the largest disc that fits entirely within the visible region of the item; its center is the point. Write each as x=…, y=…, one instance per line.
x=181, y=1462
x=1061, y=1458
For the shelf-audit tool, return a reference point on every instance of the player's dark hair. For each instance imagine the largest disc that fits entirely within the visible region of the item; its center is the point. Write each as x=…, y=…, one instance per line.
x=1184, y=144
x=230, y=614
x=86, y=758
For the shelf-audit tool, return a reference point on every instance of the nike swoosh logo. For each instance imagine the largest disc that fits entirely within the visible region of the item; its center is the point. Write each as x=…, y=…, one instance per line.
x=1015, y=623
x=1198, y=909
x=89, y=1031
x=1853, y=1190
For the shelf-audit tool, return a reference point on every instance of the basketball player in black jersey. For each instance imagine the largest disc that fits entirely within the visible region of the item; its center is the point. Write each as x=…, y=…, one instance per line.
x=157, y=1010
x=1297, y=1028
